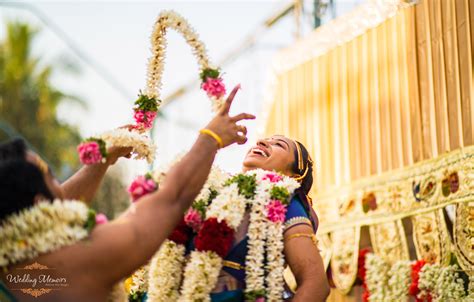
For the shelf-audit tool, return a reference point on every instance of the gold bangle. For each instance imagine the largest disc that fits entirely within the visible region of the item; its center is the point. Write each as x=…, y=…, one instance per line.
x=213, y=135
x=304, y=235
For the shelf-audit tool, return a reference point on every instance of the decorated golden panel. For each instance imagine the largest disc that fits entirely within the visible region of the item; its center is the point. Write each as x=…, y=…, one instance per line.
x=345, y=247
x=464, y=236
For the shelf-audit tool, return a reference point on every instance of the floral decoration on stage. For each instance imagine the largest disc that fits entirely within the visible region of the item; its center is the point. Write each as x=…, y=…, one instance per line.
x=145, y=109
x=56, y=225
x=418, y=279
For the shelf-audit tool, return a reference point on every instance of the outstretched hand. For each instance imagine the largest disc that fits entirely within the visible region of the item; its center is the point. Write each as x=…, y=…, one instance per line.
x=226, y=126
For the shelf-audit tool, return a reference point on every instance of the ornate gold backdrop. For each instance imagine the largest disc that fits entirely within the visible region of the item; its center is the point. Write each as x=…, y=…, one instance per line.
x=397, y=94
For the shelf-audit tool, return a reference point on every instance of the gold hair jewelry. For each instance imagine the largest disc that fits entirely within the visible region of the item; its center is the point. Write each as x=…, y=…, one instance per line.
x=213, y=135
x=301, y=177
x=300, y=159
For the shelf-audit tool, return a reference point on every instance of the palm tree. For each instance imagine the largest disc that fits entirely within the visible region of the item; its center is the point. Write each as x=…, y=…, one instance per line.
x=29, y=102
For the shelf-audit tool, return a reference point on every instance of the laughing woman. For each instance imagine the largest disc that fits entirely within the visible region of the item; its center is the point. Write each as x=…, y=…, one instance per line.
x=290, y=158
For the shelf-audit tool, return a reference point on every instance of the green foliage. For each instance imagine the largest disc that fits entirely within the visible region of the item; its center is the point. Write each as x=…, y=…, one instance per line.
x=201, y=205
x=254, y=295
x=136, y=297
x=146, y=104
x=247, y=184
x=29, y=102
x=280, y=193
x=90, y=222
x=209, y=73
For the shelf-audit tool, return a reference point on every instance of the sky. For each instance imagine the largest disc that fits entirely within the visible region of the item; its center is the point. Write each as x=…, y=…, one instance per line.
x=114, y=36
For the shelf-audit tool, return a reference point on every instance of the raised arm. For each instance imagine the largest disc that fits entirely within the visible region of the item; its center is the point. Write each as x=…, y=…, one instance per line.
x=118, y=248
x=83, y=185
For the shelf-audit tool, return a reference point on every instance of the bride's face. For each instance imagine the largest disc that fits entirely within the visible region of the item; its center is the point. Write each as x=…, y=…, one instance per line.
x=273, y=154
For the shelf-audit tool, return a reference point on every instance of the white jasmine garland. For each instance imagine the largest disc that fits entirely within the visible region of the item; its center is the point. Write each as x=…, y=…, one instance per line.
x=139, y=280
x=275, y=261
x=229, y=205
x=200, y=276
x=171, y=19
x=41, y=229
x=376, y=277
x=265, y=233
x=442, y=283
x=399, y=281
x=143, y=147
x=165, y=272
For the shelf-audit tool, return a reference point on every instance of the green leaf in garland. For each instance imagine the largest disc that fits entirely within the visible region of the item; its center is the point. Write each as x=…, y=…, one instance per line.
x=280, y=193
x=146, y=103
x=209, y=73
x=90, y=222
x=247, y=184
x=200, y=206
x=255, y=294
x=136, y=297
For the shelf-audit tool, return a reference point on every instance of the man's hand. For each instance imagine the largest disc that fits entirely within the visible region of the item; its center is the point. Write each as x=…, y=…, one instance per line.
x=226, y=126
x=114, y=153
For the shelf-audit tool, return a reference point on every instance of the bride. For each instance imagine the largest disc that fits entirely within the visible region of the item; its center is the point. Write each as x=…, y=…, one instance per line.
x=288, y=157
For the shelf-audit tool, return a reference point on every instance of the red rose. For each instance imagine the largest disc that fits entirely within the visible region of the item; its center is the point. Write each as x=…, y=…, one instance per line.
x=181, y=233
x=215, y=236
x=415, y=277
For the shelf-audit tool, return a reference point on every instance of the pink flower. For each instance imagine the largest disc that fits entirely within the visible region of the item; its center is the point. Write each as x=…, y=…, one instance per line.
x=214, y=87
x=276, y=211
x=100, y=219
x=272, y=177
x=141, y=186
x=261, y=299
x=89, y=153
x=193, y=219
x=145, y=118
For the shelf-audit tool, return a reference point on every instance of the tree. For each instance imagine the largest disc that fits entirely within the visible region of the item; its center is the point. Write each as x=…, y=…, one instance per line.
x=29, y=102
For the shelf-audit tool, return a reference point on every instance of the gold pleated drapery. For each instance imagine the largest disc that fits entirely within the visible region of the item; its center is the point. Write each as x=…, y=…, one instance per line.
x=397, y=94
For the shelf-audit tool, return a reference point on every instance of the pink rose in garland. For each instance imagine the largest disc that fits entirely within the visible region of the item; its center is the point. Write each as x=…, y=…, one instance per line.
x=141, y=186
x=272, y=177
x=212, y=84
x=100, y=219
x=193, y=219
x=276, y=211
x=145, y=109
x=92, y=151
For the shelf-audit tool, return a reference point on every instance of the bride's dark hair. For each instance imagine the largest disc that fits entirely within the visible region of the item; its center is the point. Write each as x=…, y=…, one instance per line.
x=303, y=168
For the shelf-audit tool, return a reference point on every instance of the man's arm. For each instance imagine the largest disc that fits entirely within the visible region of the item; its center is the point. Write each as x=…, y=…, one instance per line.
x=116, y=249
x=83, y=185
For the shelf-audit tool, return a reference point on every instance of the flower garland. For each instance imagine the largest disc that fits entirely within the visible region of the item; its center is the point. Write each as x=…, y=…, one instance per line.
x=399, y=281
x=166, y=266
x=43, y=228
x=441, y=283
x=423, y=281
x=146, y=106
x=266, y=231
x=376, y=277
x=92, y=151
x=215, y=238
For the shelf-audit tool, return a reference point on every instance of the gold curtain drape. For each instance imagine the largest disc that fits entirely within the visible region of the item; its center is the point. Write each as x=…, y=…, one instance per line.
x=400, y=93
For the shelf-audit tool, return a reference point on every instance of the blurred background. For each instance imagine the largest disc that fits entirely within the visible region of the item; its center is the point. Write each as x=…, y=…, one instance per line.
x=72, y=69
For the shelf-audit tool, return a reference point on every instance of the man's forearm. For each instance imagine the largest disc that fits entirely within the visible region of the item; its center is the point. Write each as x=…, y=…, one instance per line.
x=83, y=185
